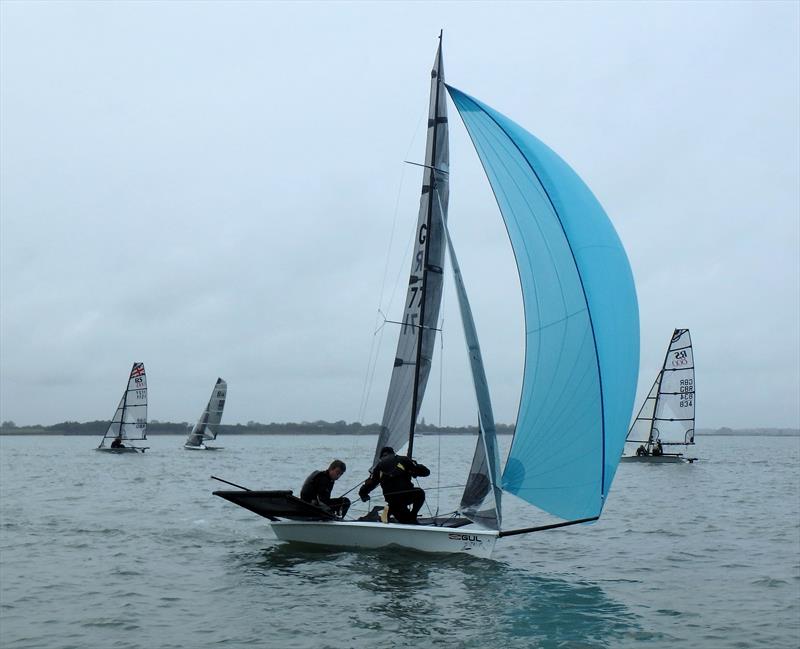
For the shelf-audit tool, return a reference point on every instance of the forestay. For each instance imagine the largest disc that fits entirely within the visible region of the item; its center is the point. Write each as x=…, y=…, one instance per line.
x=581, y=320
x=418, y=329
x=205, y=428
x=130, y=419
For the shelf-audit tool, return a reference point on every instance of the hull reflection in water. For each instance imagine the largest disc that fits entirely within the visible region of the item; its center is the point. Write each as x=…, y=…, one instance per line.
x=448, y=602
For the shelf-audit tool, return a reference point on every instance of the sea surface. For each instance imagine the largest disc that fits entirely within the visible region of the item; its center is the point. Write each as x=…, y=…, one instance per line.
x=133, y=551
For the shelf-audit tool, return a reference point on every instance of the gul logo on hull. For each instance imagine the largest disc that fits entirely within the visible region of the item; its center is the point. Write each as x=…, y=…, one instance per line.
x=465, y=537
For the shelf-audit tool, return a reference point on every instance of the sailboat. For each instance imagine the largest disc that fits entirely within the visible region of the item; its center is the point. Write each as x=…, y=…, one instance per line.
x=666, y=417
x=581, y=355
x=205, y=428
x=129, y=422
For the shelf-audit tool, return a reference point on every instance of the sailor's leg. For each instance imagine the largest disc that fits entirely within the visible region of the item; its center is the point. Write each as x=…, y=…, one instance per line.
x=340, y=506
x=398, y=507
x=417, y=500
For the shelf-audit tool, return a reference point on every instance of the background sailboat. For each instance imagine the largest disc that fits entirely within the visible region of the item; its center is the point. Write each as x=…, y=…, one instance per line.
x=666, y=418
x=205, y=428
x=130, y=420
x=581, y=357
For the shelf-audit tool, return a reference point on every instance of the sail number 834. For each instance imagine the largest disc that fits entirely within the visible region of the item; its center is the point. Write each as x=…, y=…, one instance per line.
x=687, y=393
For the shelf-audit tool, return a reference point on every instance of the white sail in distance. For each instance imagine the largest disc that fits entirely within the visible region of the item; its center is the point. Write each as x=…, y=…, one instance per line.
x=206, y=426
x=130, y=419
x=667, y=414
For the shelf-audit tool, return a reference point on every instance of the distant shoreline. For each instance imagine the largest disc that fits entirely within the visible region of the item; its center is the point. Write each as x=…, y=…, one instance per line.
x=97, y=428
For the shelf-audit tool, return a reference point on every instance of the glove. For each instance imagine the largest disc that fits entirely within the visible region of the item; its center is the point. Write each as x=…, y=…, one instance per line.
x=363, y=494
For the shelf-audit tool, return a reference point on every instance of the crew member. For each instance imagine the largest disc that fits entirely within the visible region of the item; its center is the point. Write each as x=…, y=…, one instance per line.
x=393, y=473
x=318, y=486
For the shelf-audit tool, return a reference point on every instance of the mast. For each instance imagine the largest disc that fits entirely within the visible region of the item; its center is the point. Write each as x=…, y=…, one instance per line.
x=423, y=291
x=125, y=401
x=655, y=407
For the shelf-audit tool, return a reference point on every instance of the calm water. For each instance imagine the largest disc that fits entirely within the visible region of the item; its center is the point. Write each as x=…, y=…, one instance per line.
x=101, y=550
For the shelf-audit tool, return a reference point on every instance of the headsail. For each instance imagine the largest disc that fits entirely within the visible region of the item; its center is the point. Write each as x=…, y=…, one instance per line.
x=668, y=411
x=418, y=332
x=130, y=419
x=205, y=428
x=581, y=320
x=481, y=501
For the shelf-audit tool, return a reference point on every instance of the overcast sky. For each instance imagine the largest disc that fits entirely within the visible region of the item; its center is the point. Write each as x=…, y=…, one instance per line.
x=218, y=189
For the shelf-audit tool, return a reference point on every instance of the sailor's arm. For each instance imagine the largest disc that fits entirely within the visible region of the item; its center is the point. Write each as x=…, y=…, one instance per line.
x=369, y=484
x=419, y=470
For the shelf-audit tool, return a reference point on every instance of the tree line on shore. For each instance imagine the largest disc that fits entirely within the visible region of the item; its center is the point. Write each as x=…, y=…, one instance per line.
x=155, y=427
x=320, y=427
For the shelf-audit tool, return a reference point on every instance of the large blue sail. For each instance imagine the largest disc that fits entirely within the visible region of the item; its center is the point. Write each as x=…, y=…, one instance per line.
x=581, y=320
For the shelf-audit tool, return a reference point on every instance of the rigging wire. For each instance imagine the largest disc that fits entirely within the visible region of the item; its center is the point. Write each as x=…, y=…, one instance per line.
x=439, y=435
x=375, y=346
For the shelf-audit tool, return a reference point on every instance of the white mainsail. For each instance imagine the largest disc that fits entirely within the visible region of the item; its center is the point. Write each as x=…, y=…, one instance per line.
x=130, y=420
x=415, y=345
x=205, y=428
x=667, y=414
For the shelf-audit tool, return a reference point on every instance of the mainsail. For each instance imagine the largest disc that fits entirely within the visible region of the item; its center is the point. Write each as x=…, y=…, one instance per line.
x=205, y=428
x=581, y=320
x=481, y=501
x=130, y=419
x=667, y=414
x=412, y=361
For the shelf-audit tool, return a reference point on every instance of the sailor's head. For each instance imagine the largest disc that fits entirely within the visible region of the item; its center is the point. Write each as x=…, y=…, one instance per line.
x=386, y=450
x=336, y=469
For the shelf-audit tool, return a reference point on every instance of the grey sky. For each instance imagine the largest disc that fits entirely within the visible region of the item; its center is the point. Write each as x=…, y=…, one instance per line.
x=211, y=188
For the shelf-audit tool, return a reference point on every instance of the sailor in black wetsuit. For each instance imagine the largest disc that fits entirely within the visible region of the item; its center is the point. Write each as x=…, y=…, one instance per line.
x=393, y=473
x=318, y=486
x=117, y=442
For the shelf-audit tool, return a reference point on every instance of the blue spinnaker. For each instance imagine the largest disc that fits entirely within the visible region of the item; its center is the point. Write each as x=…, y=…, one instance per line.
x=581, y=320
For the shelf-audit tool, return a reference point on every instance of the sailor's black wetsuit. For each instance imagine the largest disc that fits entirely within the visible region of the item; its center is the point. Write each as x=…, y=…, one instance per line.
x=317, y=490
x=394, y=473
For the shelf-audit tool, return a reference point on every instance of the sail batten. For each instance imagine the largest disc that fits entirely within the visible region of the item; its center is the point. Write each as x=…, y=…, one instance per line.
x=581, y=320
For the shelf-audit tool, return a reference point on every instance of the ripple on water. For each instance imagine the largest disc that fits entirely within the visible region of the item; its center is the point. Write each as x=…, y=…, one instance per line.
x=769, y=582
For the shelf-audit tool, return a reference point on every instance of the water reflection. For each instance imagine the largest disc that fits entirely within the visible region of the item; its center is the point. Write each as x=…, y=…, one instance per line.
x=450, y=601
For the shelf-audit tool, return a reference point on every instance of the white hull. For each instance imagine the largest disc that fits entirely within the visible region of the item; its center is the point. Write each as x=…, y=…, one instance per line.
x=202, y=447
x=657, y=459
x=357, y=534
x=126, y=449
